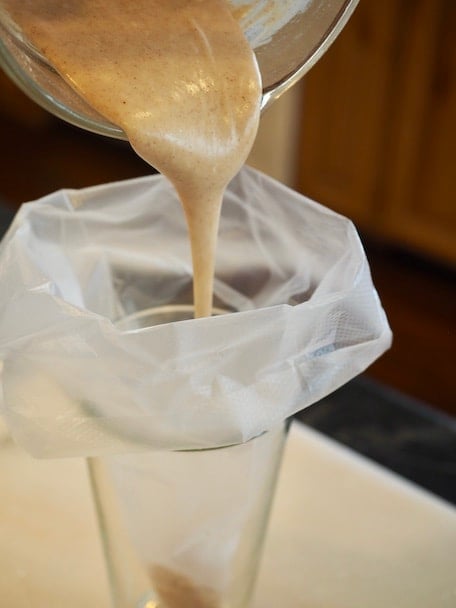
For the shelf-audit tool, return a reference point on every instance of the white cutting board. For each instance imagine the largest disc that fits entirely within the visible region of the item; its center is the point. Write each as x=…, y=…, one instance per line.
x=344, y=534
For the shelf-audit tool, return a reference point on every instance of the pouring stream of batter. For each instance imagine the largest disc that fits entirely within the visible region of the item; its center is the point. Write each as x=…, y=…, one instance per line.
x=178, y=76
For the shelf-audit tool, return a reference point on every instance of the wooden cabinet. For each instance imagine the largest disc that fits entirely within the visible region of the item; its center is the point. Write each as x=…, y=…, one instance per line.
x=378, y=126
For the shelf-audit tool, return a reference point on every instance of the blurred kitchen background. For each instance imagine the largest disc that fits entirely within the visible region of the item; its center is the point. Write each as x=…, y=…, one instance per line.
x=370, y=132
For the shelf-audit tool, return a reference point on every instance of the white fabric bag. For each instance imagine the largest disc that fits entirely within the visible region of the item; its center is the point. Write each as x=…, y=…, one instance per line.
x=74, y=262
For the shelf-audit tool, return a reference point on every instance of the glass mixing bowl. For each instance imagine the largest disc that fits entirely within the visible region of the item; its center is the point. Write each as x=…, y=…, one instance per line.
x=288, y=37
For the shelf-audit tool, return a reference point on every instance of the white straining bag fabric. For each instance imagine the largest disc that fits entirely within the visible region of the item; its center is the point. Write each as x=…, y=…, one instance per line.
x=73, y=262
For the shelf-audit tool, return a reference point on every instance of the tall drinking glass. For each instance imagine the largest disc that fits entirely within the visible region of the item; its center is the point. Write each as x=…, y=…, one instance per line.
x=185, y=529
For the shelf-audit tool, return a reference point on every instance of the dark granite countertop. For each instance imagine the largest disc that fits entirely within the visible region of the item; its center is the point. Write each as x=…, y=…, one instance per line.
x=402, y=434
x=406, y=436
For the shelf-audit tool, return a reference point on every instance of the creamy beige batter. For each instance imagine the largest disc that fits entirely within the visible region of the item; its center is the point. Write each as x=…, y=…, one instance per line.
x=180, y=79
x=178, y=76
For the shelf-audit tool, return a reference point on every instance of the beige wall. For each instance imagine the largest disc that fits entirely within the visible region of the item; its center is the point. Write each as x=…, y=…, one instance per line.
x=275, y=148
